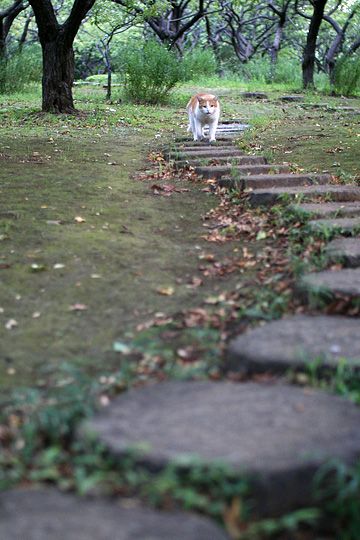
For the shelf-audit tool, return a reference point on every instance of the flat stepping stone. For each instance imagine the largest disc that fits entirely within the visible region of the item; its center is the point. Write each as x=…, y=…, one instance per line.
x=211, y=153
x=294, y=343
x=275, y=195
x=346, y=250
x=238, y=160
x=330, y=283
x=204, y=148
x=205, y=142
x=343, y=225
x=254, y=95
x=50, y=515
x=291, y=98
x=329, y=209
x=229, y=127
x=273, y=180
x=315, y=105
x=217, y=171
x=278, y=435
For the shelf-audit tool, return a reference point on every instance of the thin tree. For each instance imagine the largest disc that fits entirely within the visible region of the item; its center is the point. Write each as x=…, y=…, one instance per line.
x=336, y=45
x=58, y=56
x=308, y=61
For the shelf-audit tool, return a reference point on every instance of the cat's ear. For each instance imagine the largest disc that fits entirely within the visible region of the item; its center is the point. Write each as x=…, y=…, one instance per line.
x=216, y=98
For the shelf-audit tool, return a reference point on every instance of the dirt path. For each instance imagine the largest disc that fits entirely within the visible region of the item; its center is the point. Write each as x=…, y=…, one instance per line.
x=85, y=248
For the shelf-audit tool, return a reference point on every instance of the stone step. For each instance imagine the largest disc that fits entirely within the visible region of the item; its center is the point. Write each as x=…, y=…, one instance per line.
x=253, y=95
x=327, y=284
x=345, y=250
x=205, y=142
x=211, y=153
x=294, y=343
x=329, y=209
x=275, y=195
x=46, y=514
x=345, y=225
x=291, y=98
x=235, y=160
x=273, y=180
x=217, y=171
x=277, y=436
x=204, y=148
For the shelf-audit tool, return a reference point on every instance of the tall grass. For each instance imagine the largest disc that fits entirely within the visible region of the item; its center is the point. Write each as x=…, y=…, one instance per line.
x=20, y=69
x=347, y=76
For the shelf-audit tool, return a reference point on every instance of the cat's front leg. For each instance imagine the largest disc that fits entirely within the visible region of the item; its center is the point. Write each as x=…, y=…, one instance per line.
x=212, y=131
x=198, y=131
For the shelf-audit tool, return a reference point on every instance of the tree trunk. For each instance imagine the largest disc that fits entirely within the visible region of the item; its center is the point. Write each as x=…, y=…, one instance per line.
x=58, y=77
x=308, y=62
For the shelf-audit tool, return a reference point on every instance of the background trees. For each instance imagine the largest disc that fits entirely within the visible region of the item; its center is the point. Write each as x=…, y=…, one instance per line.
x=269, y=40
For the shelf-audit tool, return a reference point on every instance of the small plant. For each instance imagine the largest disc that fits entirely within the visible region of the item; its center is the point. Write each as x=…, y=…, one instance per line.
x=151, y=73
x=339, y=486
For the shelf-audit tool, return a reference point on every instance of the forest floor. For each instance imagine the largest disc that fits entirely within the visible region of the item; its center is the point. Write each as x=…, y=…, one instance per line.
x=109, y=262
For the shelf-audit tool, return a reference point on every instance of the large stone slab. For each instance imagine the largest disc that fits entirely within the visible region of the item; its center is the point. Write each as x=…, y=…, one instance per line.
x=235, y=160
x=277, y=435
x=343, y=225
x=294, y=343
x=347, y=250
x=50, y=515
x=263, y=181
x=270, y=196
x=329, y=283
x=220, y=170
x=330, y=209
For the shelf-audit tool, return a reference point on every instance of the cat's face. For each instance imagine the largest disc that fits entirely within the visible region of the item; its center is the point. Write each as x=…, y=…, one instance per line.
x=208, y=106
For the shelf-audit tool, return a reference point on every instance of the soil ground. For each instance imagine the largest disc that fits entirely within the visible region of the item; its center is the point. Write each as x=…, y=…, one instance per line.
x=86, y=247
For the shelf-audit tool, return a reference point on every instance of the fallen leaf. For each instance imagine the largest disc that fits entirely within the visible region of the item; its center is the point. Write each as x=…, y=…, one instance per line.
x=78, y=307
x=10, y=324
x=37, y=267
x=165, y=291
x=121, y=347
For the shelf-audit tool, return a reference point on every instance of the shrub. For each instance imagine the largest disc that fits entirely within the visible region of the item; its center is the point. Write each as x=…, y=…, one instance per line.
x=347, y=76
x=20, y=69
x=151, y=73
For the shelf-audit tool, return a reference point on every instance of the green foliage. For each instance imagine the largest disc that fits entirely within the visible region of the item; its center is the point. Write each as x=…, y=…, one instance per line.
x=347, y=76
x=151, y=73
x=20, y=69
x=285, y=71
x=199, y=63
x=339, y=485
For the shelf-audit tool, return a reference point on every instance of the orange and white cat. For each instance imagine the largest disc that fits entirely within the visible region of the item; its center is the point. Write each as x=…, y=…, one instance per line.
x=203, y=110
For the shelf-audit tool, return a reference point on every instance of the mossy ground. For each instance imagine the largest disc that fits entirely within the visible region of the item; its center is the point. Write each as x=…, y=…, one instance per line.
x=57, y=169
x=87, y=247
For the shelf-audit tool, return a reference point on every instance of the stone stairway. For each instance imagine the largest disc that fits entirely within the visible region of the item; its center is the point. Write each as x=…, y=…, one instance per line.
x=276, y=435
